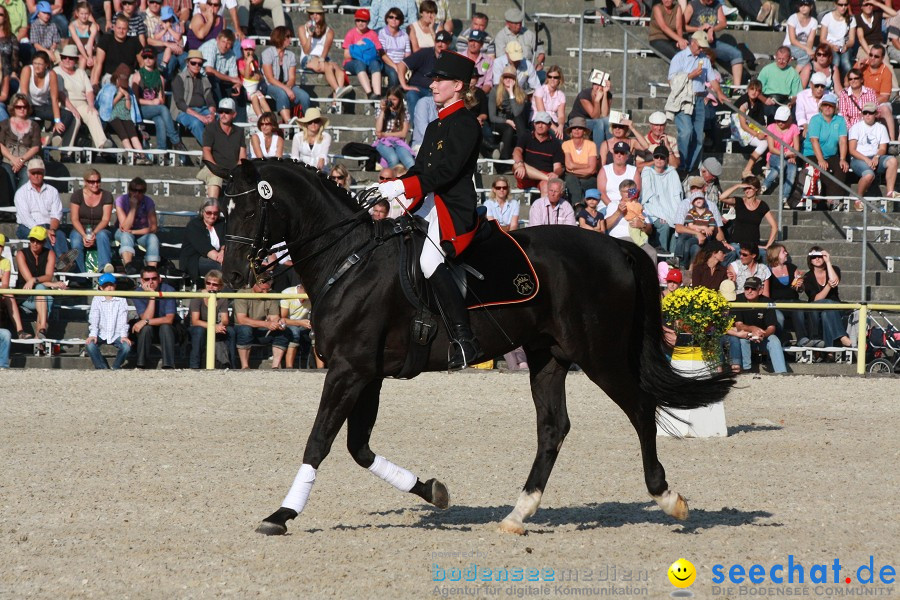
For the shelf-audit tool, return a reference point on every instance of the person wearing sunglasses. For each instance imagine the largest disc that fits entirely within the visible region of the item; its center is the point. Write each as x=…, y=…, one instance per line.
x=853, y=97
x=205, y=24
x=203, y=244
x=878, y=77
x=500, y=207
x=754, y=329
x=155, y=320
x=800, y=33
x=868, y=142
x=838, y=30
x=223, y=145
x=748, y=265
x=807, y=105
x=20, y=141
x=225, y=351
x=90, y=213
x=186, y=111
x=80, y=94
x=137, y=225
x=823, y=62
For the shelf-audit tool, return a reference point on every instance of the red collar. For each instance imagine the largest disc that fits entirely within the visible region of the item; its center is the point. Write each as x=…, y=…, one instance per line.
x=449, y=110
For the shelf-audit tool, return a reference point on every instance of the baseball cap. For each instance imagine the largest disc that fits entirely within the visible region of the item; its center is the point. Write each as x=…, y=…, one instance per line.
x=248, y=44
x=148, y=51
x=477, y=35
x=870, y=106
x=2, y=240
x=444, y=36
x=37, y=233
x=713, y=166
x=514, y=15
x=35, y=164
x=819, y=79
x=727, y=289
x=754, y=283
x=701, y=39
x=674, y=276
x=44, y=7
x=657, y=118
x=783, y=113
x=661, y=151
x=592, y=193
x=167, y=13
x=829, y=98
x=362, y=14
x=514, y=50
x=542, y=117
x=622, y=147
x=695, y=195
x=227, y=104
x=106, y=279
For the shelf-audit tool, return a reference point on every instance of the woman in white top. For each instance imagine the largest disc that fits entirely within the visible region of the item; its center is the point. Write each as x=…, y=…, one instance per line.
x=267, y=142
x=500, y=208
x=800, y=36
x=41, y=87
x=839, y=32
x=421, y=32
x=316, y=39
x=551, y=99
x=311, y=143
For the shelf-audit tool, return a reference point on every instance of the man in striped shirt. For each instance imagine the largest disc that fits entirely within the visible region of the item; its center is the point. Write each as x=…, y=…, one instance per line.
x=108, y=324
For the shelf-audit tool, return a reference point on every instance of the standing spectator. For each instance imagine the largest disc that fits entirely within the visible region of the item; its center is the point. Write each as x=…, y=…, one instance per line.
x=166, y=39
x=312, y=143
x=788, y=133
x=136, y=218
x=552, y=209
x=611, y=175
x=661, y=195
x=296, y=316
x=689, y=73
x=878, y=77
x=108, y=323
x=779, y=83
x=538, y=156
x=20, y=141
x=839, y=32
x=826, y=144
x=395, y=42
x=90, y=213
x=551, y=99
x=820, y=283
x=199, y=310
x=8, y=301
x=156, y=320
x=220, y=65
x=589, y=217
x=36, y=266
x=192, y=96
x=259, y=322
x=868, y=141
x=515, y=31
x=149, y=88
x=42, y=87
x=808, y=100
x=749, y=133
x=800, y=35
x=137, y=28
x=268, y=142
x=708, y=17
x=38, y=204
x=484, y=63
x=280, y=71
x=361, y=55
x=823, y=63
x=657, y=136
x=667, y=28
x=205, y=24
x=420, y=64
x=391, y=131
x=853, y=97
x=750, y=212
x=203, y=245
x=43, y=34
x=115, y=49
x=80, y=93
x=479, y=22
x=223, y=145
x=421, y=32
x=525, y=72
x=755, y=327
x=580, y=159
x=506, y=111
x=381, y=11
x=747, y=266
x=500, y=207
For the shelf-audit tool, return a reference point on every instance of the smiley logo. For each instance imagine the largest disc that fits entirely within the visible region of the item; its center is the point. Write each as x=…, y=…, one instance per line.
x=682, y=573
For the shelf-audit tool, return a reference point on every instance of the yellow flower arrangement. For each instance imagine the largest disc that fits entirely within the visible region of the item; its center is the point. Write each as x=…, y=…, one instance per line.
x=702, y=312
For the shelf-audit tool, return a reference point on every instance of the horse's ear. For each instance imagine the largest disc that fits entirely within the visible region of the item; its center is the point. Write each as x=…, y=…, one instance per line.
x=217, y=170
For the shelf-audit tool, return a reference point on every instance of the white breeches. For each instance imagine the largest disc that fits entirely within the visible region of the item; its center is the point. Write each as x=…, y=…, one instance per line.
x=432, y=254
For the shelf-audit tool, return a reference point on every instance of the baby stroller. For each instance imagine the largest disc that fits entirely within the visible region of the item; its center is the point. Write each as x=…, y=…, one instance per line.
x=883, y=345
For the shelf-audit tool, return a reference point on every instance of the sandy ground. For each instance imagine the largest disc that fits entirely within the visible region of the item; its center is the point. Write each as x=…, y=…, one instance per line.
x=149, y=485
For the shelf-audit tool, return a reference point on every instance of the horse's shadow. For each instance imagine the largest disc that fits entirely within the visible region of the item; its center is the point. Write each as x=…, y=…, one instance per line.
x=752, y=428
x=602, y=515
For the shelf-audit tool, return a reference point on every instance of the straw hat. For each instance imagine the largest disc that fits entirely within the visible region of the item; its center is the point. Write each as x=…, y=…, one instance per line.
x=314, y=114
x=315, y=6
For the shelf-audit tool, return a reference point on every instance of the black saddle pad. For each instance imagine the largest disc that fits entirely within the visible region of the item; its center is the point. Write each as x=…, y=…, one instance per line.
x=509, y=277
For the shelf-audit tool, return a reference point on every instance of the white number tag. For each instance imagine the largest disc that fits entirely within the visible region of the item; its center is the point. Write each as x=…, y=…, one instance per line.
x=264, y=189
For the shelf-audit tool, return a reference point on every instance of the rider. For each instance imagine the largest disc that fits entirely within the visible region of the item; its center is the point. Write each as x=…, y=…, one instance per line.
x=444, y=169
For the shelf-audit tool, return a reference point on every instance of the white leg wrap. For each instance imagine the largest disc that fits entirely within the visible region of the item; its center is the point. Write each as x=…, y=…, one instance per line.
x=299, y=493
x=398, y=477
x=667, y=501
x=526, y=506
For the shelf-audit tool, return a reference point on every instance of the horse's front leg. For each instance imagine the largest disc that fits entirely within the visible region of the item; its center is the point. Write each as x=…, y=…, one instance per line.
x=359, y=430
x=343, y=387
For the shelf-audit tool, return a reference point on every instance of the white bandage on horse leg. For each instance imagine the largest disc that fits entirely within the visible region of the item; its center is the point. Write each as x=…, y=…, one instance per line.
x=398, y=477
x=299, y=493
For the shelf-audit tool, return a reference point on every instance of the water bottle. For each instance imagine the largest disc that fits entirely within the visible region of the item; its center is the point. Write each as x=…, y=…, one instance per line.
x=89, y=233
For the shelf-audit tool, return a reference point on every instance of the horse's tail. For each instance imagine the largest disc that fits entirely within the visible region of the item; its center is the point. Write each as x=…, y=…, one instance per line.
x=656, y=376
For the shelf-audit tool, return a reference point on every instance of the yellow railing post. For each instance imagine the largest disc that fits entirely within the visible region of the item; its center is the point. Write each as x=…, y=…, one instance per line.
x=211, y=316
x=861, y=339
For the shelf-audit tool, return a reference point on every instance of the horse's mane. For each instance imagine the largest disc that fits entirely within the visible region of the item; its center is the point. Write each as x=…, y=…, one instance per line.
x=338, y=192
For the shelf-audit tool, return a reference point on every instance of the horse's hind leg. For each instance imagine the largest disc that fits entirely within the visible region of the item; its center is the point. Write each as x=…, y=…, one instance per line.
x=359, y=431
x=548, y=390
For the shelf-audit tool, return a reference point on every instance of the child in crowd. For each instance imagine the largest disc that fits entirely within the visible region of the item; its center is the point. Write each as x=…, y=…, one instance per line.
x=44, y=34
x=108, y=323
x=788, y=133
x=589, y=217
x=250, y=74
x=121, y=121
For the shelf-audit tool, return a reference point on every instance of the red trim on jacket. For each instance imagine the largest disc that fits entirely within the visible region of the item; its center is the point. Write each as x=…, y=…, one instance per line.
x=450, y=109
x=448, y=232
x=412, y=189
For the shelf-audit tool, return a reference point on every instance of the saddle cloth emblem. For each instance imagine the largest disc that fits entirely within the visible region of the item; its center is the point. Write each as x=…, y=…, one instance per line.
x=524, y=284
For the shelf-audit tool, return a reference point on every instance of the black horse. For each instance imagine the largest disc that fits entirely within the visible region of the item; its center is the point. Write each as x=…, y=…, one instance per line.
x=598, y=306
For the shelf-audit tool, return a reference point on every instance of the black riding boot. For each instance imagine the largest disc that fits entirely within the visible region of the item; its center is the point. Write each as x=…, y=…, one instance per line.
x=464, y=347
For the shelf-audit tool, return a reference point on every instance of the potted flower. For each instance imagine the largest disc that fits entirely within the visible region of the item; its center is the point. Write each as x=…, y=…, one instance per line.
x=700, y=317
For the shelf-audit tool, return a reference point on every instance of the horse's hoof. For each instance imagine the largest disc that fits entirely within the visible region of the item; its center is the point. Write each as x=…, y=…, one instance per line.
x=680, y=511
x=510, y=526
x=440, y=496
x=269, y=528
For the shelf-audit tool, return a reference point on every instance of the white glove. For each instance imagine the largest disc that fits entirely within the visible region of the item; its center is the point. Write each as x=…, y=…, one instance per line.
x=391, y=189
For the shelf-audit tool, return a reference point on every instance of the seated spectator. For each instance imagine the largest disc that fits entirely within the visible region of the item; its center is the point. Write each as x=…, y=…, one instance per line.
x=312, y=143
x=590, y=217
x=220, y=66
x=820, y=284
x=380, y=210
x=592, y=105
x=84, y=34
x=39, y=204
x=610, y=175
x=280, y=73
x=868, y=141
x=784, y=286
x=808, y=100
x=800, y=34
x=199, y=309
x=149, y=88
x=80, y=94
x=627, y=219
x=121, y=120
x=788, y=133
x=341, y=176
x=748, y=265
x=674, y=279
x=708, y=16
x=667, y=28
x=316, y=39
x=538, y=156
x=779, y=85
x=878, y=77
x=479, y=22
x=838, y=30
x=661, y=196
x=425, y=113
x=36, y=266
x=391, y=131
x=296, y=314
x=750, y=211
x=205, y=24
x=137, y=27
x=223, y=145
x=42, y=89
x=20, y=141
x=696, y=228
x=250, y=74
x=620, y=128
x=484, y=63
x=507, y=112
x=870, y=25
x=5, y=338
x=194, y=108
x=361, y=55
x=203, y=245
x=706, y=268
x=826, y=144
x=657, y=136
x=8, y=301
x=166, y=39
x=853, y=97
x=419, y=65
x=115, y=49
x=551, y=209
x=137, y=222
x=525, y=71
x=380, y=9
x=500, y=207
x=267, y=141
x=581, y=159
x=823, y=63
x=155, y=321
x=395, y=42
x=755, y=328
x=710, y=171
x=43, y=34
x=90, y=213
x=748, y=133
x=422, y=32
x=515, y=31
x=108, y=324
x=551, y=99
x=13, y=27
x=259, y=322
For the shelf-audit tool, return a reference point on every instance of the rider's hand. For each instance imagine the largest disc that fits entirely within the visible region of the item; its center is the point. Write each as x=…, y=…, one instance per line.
x=391, y=189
